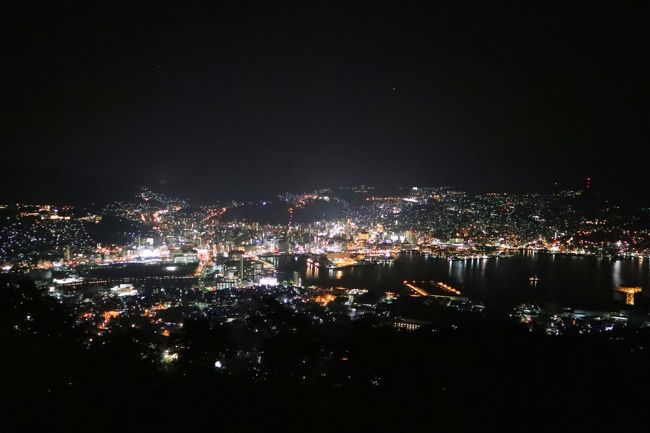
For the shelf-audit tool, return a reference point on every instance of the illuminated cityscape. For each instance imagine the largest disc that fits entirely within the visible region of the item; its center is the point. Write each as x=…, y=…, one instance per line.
x=324, y=217
x=155, y=268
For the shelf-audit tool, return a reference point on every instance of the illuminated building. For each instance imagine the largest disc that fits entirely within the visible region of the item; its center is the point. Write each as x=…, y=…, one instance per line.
x=629, y=293
x=297, y=281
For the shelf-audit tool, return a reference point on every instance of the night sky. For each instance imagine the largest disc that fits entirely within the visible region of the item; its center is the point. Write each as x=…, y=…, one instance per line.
x=244, y=100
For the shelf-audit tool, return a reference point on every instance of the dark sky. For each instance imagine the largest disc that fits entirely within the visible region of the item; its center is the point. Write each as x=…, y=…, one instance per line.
x=100, y=98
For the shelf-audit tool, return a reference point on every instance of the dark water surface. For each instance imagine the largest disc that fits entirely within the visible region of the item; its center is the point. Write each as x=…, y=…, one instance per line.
x=579, y=281
x=140, y=270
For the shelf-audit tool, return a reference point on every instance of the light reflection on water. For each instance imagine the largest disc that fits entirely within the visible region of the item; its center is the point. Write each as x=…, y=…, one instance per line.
x=616, y=273
x=572, y=280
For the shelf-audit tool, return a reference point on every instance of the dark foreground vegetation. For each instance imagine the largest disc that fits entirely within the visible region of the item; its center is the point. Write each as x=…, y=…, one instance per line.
x=484, y=376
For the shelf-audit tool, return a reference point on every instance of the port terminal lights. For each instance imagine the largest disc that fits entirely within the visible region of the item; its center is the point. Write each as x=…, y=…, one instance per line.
x=629, y=293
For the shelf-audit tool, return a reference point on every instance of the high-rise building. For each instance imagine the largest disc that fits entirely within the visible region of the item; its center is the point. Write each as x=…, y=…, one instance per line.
x=67, y=253
x=297, y=280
